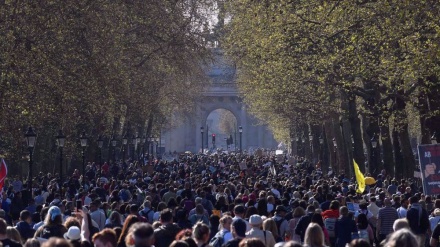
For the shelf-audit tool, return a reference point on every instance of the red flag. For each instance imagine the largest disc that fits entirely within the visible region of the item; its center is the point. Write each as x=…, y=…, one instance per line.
x=3, y=173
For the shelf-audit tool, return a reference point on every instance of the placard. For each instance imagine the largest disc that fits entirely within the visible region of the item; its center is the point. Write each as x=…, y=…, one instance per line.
x=429, y=158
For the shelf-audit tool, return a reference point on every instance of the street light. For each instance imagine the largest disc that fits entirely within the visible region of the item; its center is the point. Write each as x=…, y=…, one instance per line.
x=434, y=138
x=143, y=140
x=201, y=133
x=240, y=130
x=124, y=143
x=114, y=143
x=321, y=139
x=100, y=142
x=374, y=142
x=83, y=140
x=157, y=145
x=31, y=138
x=61, y=139
x=152, y=145
x=373, y=152
x=335, y=144
x=134, y=143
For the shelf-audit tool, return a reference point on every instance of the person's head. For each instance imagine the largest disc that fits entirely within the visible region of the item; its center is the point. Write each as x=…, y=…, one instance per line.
x=12, y=233
x=199, y=209
x=251, y=242
x=343, y=211
x=400, y=224
x=292, y=244
x=402, y=238
x=72, y=221
x=26, y=216
x=281, y=210
x=270, y=225
x=73, y=234
x=201, y=232
x=166, y=216
x=225, y=222
x=58, y=242
x=334, y=205
x=255, y=220
x=105, y=238
x=238, y=228
x=239, y=211
x=3, y=226
x=359, y=243
x=140, y=235
x=317, y=218
x=362, y=221
x=115, y=218
x=53, y=216
x=311, y=209
x=413, y=199
x=131, y=219
x=314, y=235
x=32, y=242
x=298, y=212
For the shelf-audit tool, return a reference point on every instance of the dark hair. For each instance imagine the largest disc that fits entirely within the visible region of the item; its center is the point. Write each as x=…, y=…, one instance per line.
x=166, y=215
x=24, y=215
x=179, y=243
x=131, y=219
x=362, y=221
x=317, y=218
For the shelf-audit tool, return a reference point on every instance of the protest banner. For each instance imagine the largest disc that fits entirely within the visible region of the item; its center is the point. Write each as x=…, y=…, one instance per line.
x=429, y=158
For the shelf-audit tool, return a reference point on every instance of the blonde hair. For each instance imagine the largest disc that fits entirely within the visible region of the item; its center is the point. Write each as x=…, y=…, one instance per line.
x=400, y=224
x=314, y=235
x=12, y=233
x=402, y=238
x=270, y=225
x=224, y=220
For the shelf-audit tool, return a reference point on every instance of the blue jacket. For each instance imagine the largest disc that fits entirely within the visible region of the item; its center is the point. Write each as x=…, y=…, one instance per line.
x=343, y=229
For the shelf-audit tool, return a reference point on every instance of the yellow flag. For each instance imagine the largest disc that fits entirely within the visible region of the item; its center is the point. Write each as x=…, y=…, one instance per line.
x=359, y=178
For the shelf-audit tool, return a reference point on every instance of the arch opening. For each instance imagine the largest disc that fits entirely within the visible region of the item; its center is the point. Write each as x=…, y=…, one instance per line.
x=224, y=125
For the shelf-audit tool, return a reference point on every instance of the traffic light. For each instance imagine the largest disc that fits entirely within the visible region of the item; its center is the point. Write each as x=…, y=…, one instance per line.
x=213, y=138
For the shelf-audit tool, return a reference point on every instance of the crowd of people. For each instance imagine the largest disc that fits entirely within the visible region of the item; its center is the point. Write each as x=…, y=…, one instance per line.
x=216, y=200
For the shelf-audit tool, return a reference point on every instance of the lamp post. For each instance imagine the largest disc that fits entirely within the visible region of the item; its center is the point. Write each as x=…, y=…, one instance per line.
x=31, y=138
x=434, y=138
x=60, y=143
x=114, y=143
x=83, y=140
x=124, y=143
x=100, y=142
x=144, y=138
x=291, y=145
x=321, y=146
x=311, y=145
x=201, y=133
x=152, y=145
x=240, y=131
x=226, y=142
x=138, y=141
x=335, y=145
x=373, y=153
x=157, y=146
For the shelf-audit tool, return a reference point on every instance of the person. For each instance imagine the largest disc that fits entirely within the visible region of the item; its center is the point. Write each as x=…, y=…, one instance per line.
x=24, y=225
x=364, y=229
x=201, y=234
x=168, y=230
x=199, y=216
x=105, y=238
x=435, y=219
x=280, y=221
x=317, y=218
x=402, y=210
x=239, y=211
x=252, y=242
x=3, y=237
x=303, y=223
x=403, y=238
x=73, y=234
x=344, y=228
x=265, y=236
x=296, y=216
x=13, y=234
x=314, y=236
x=141, y=234
x=32, y=242
x=418, y=219
x=400, y=224
x=224, y=234
x=385, y=220
x=238, y=230
x=360, y=242
x=114, y=220
x=53, y=225
x=97, y=214
x=58, y=242
x=147, y=211
x=131, y=219
x=270, y=225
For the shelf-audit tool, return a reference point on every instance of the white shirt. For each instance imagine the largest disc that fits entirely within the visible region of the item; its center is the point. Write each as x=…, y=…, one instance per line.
x=402, y=212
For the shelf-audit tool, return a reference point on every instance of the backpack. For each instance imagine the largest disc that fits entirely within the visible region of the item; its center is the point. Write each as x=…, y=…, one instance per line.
x=330, y=226
x=218, y=239
x=145, y=214
x=278, y=223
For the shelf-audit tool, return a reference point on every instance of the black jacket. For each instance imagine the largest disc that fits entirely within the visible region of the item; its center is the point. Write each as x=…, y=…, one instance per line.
x=165, y=235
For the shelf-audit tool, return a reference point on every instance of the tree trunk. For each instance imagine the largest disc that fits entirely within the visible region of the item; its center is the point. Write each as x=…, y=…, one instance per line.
x=355, y=124
x=387, y=147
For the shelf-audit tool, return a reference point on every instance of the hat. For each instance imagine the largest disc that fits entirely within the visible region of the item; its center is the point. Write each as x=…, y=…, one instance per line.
x=255, y=219
x=54, y=211
x=437, y=212
x=74, y=233
x=240, y=227
x=280, y=208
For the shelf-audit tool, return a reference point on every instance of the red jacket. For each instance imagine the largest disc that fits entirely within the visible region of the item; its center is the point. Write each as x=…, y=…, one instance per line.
x=331, y=213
